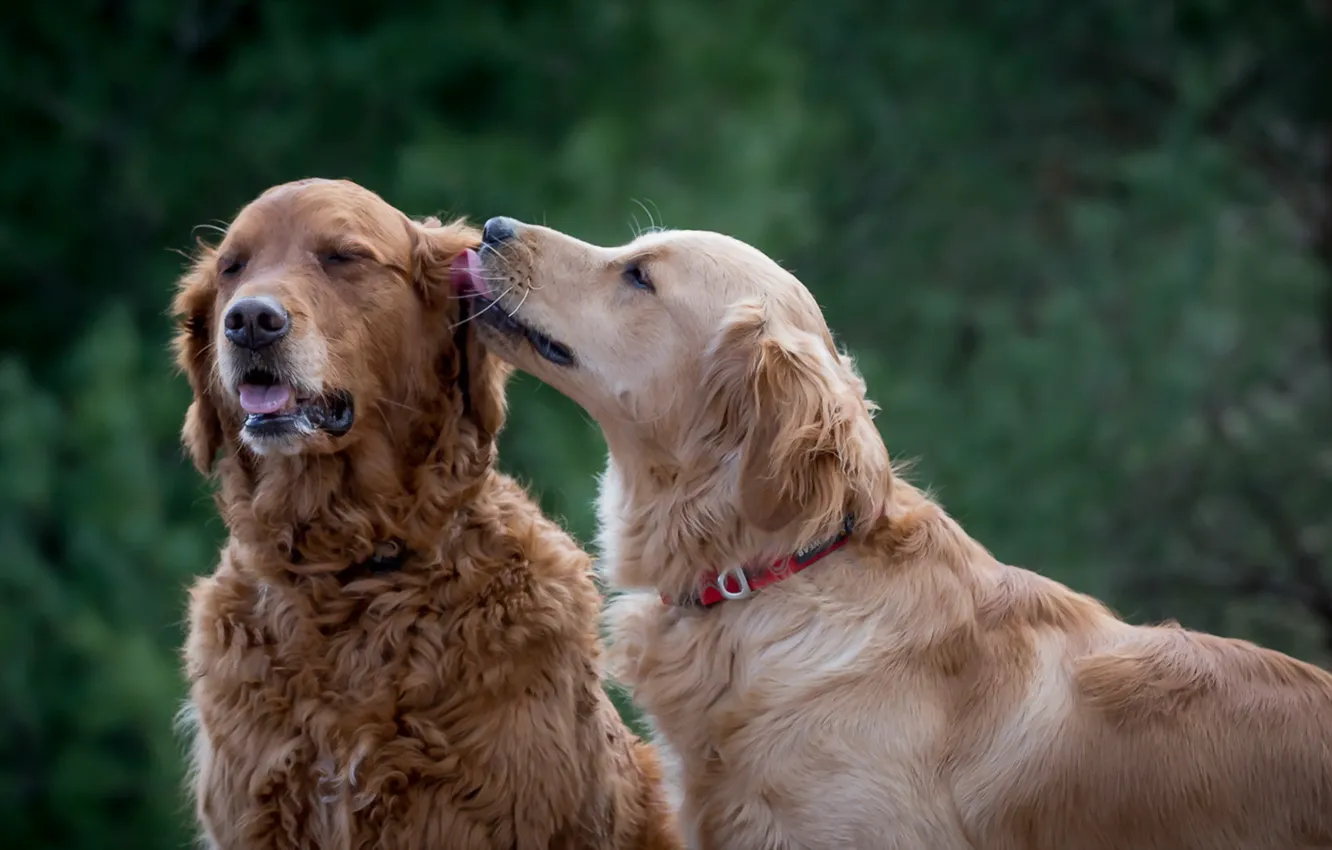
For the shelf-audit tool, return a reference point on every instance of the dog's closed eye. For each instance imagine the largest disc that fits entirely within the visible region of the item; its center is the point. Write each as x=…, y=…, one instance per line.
x=232, y=266
x=341, y=257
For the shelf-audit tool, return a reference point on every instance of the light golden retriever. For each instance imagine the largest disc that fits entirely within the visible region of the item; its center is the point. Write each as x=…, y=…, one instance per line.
x=890, y=684
x=397, y=649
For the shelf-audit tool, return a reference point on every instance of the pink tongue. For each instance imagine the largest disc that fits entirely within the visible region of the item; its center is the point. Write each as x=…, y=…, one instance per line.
x=256, y=399
x=467, y=277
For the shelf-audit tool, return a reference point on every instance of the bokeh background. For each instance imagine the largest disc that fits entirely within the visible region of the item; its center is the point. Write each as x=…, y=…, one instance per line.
x=1083, y=251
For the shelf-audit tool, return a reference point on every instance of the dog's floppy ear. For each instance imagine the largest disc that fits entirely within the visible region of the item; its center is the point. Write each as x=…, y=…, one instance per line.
x=481, y=377
x=195, y=301
x=435, y=246
x=809, y=450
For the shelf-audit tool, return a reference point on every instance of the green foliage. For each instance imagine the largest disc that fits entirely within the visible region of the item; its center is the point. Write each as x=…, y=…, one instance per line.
x=99, y=532
x=1080, y=250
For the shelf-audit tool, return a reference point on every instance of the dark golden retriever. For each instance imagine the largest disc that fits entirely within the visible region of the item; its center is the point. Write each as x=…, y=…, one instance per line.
x=837, y=663
x=397, y=650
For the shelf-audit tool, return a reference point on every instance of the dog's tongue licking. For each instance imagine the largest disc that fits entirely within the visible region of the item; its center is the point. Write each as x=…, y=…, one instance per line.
x=467, y=279
x=257, y=399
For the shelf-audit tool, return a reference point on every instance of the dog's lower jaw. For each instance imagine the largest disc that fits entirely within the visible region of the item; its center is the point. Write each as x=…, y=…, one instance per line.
x=290, y=433
x=288, y=445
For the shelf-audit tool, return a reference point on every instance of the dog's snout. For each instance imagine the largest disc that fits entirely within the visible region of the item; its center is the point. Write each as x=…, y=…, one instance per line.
x=256, y=322
x=498, y=230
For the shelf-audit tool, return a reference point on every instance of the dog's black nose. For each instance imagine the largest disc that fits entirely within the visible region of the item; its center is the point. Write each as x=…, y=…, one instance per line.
x=498, y=230
x=255, y=322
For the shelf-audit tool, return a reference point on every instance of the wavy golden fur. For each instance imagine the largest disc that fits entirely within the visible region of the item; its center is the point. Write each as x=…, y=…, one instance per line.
x=908, y=691
x=397, y=650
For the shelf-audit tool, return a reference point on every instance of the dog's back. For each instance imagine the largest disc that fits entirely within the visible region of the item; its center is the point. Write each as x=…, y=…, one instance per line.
x=1143, y=737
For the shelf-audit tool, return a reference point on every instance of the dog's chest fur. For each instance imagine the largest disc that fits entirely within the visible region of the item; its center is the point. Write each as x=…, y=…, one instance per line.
x=356, y=727
x=765, y=725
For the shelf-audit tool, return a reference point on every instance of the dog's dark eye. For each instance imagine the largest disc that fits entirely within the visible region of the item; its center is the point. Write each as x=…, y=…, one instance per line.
x=233, y=267
x=337, y=258
x=637, y=278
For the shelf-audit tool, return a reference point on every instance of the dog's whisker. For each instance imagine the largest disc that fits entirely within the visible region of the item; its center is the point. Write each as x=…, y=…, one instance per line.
x=465, y=295
x=489, y=306
x=653, y=226
x=208, y=225
x=487, y=276
x=660, y=218
x=406, y=407
x=384, y=417
x=521, y=302
x=639, y=230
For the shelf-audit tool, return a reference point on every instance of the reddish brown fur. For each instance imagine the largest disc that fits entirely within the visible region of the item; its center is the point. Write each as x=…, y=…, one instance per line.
x=453, y=703
x=908, y=691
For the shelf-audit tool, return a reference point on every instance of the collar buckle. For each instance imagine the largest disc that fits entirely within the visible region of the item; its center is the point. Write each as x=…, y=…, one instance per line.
x=743, y=590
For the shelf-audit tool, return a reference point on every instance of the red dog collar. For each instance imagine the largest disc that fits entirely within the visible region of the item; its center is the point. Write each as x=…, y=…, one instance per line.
x=743, y=582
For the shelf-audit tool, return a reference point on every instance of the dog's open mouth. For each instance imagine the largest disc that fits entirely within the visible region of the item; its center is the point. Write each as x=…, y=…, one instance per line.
x=491, y=310
x=274, y=408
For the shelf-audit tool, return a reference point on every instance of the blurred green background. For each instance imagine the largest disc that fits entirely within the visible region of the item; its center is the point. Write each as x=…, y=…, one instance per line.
x=1083, y=251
